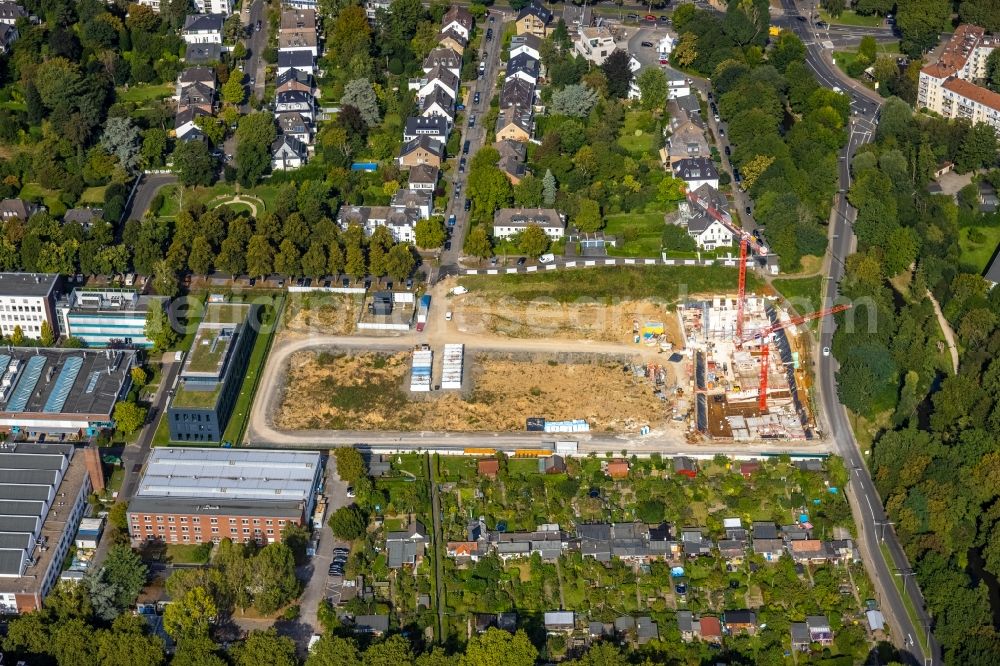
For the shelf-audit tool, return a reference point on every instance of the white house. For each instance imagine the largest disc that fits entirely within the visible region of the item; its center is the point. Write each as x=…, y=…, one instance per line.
x=295, y=125
x=708, y=232
x=445, y=58
x=594, y=44
x=528, y=44
x=438, y=104
x=420, y=202
x=224, y=7
x=295, y=101
x=287, y=152
x=510, y=221
x=300, y=60
x=524, y=67
x=458, y=19
x=633, y=87
x=10, y=12
x=203, y=28
x=697, y=171
x=439, y=78
x=436, y=127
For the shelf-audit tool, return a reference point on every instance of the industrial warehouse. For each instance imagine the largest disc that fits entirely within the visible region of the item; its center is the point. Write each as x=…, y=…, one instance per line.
x=194, y=495
x=47, y=392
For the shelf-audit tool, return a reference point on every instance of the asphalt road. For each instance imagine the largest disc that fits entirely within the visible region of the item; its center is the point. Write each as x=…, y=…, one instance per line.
x=868, y=504
x=477, y=136
x=148, y=187
x=256, y=43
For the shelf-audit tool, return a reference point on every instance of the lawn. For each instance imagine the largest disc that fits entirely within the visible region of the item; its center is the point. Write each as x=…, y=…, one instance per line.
x=34, y=192
x=976, y=252
x=848, y=17
x=93, y=195
x=843, y=59
x=143, y=94
x=639, y=235
x=196, y=399
x=262, y=345
x=640, y=135
x=804, y=294
x=662, y=282
x=189, y=554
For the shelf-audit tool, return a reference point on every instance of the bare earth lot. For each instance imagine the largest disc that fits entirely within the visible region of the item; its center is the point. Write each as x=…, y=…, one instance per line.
x=319, y=314
x=368, y=391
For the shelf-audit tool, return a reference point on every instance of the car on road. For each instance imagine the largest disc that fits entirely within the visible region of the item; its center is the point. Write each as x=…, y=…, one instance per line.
x=472, y=121
x=822, y=24
x=664, y=18
x=729, y=151
x=465, y=148
x=346, y=282
x=748, y=210
x=458, y=190
x=451, y=220
x=476, y=98
x=491, y=18
x=521, y=261
x=826, y=351
x=461, y=165
x=259, y=26
x=547, y=258
x=633, y=17
x=468, y=204
x=447, y=245
x=722, y=132
x=350, y=491
x=489, y=34
x=648, y=45
x=447, y=315
x=650, y=17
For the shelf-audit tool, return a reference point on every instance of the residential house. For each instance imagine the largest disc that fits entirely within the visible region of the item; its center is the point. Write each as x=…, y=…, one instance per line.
x=463, y=550
x=287, y=152
x=195, y=75
x=526, y=43
x=594, y=44
x=223, y=7
x=515, y=124
x=372, y=7
x=747, y=469
x=595, y=541
x=708, y=233
x=811, y=465
x=678, y=85
x=423, y=177
x=629, y=542
x=687, y=140
x=86, y=217
x=295, y=101
x=510, y=221
x=303, y=40
x=202, y=54
x=733, y=550
x=401, y=224
x=843, y=550
x=819, y=630
x=553, y=464
x=685, y=109
x=598, y=630
x=511, y=550
x=686, y=625
x=421, y=202
x=524, y=67
x=376, y=625
x=484, y=621
x=444, y=58
x=438, y=77
x=794, y=532
x=694, y=542
x=808, y=551
x=617, y=468
x=534, y=20
x=507, y=622
x=800, y=637
x=738, y=622
x=435, y=127
x=517, y=93
x=203, y=28
x=559, y=621
x=709, y=629
x=645, y=630
x=452, y=40
x=197, y=95
x=489, y=468
x=422, y=150
x=513, y=155
x=764, y=530
x=438, y=104
x=697, y=171
x=8, y=35
x=296, y=20
x=18, y=208
x=295, y=125
x=10, y=12
x=770, y=549
x=185, y=128
x=294, y=80
x=406, y=548
x=458, y=19
x=661, y=542
x=633, y=87
x=685, y=466
x=300, y=60
x=625, y=626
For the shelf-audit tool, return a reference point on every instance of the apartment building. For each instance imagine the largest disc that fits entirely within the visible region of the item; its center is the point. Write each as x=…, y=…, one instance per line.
x=948, y=86
x=27, y=300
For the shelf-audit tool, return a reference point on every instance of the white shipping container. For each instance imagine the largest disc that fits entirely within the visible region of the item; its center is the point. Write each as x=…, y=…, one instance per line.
x=566, y=448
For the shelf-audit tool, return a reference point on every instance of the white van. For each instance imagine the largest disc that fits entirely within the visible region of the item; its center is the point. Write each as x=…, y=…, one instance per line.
x=547, y=258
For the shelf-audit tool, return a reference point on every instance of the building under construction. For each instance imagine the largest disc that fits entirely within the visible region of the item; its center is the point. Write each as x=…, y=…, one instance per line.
x=743, y=370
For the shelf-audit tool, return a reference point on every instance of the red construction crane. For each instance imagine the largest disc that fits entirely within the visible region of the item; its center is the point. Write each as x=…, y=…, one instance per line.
x=742, y=291
x=765, y=348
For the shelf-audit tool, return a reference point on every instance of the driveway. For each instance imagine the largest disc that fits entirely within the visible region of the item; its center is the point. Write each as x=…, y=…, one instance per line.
x=148, y=187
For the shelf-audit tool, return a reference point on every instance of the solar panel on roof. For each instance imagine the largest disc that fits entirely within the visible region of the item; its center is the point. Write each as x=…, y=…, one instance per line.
x=64, y=384
x=32, y=372
x=92, y=382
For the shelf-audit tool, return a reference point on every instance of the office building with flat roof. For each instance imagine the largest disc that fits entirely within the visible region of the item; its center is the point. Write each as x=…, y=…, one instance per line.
x=43, y=496
x=105, y=317
x=213, y=372
x=27, y=300
x=193, y=495
x=47, y=392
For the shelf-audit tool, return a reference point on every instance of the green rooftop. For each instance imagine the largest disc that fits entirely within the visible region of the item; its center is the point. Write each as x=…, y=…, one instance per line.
x=213, y=337
x=196, y=399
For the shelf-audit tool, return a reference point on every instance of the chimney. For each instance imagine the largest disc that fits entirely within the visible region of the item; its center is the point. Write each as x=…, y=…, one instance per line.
x=92, y=459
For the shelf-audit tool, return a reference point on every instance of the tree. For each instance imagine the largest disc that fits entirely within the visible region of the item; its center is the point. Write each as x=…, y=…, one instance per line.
x=979, y=148
x=124, y=569
x=496, y=647
x=650, y=511
x=652, y=84
x=158, y=329
x=274, y=581
x=993, y=70
x=286, y=262
x=348, y=523
x=197, y=652
x=399, y=262
x=834, y=7
x=477, y=242
x=919, y=23
x=253, y=147
x=392, y=651
x=129, y=416
x=296, y=537
x=350, y=464
x=194, y=164
x=314, y=260
x=686, y=50
x=533, y=241
x=677, y=239
x=868, y=48
x=549, y=188
x=233, y=91
x=588, y=216
x=191, y=616
x=618, y=71
x=574, y=100
x=359, y=94
x=260, y=256
x=121, y=139
x=355, y=264
x=332, y=650
x=265, y=647
x=154, y=144
x=430, y=232
x=46, y=337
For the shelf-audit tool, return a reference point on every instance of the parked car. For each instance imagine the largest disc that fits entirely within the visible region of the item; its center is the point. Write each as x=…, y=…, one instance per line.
x=447, y=245
x=472, y=121
x=461, y=165
x=521, y=261
x=748, y=211
x=465, y=148
x=468, y=204
x=489, y=34
x=722, y=131
x=664, y=18
x=350, y=491
x=475, y=98
x=259, y=26
x=346, y=282
x=547, y=258
x=633, y=17
x=648, y=45
x=650, y=17
x=447, y=315
x=728, y=150
x=451, y=220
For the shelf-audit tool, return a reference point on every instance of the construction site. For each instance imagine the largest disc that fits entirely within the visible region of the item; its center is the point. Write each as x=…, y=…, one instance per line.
x=745, y=363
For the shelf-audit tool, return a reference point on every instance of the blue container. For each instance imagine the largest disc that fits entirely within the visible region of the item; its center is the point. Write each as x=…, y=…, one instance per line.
x=364, y=166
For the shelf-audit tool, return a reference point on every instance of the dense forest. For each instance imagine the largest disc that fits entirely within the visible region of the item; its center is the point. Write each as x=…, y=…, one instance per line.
x=935, y=453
